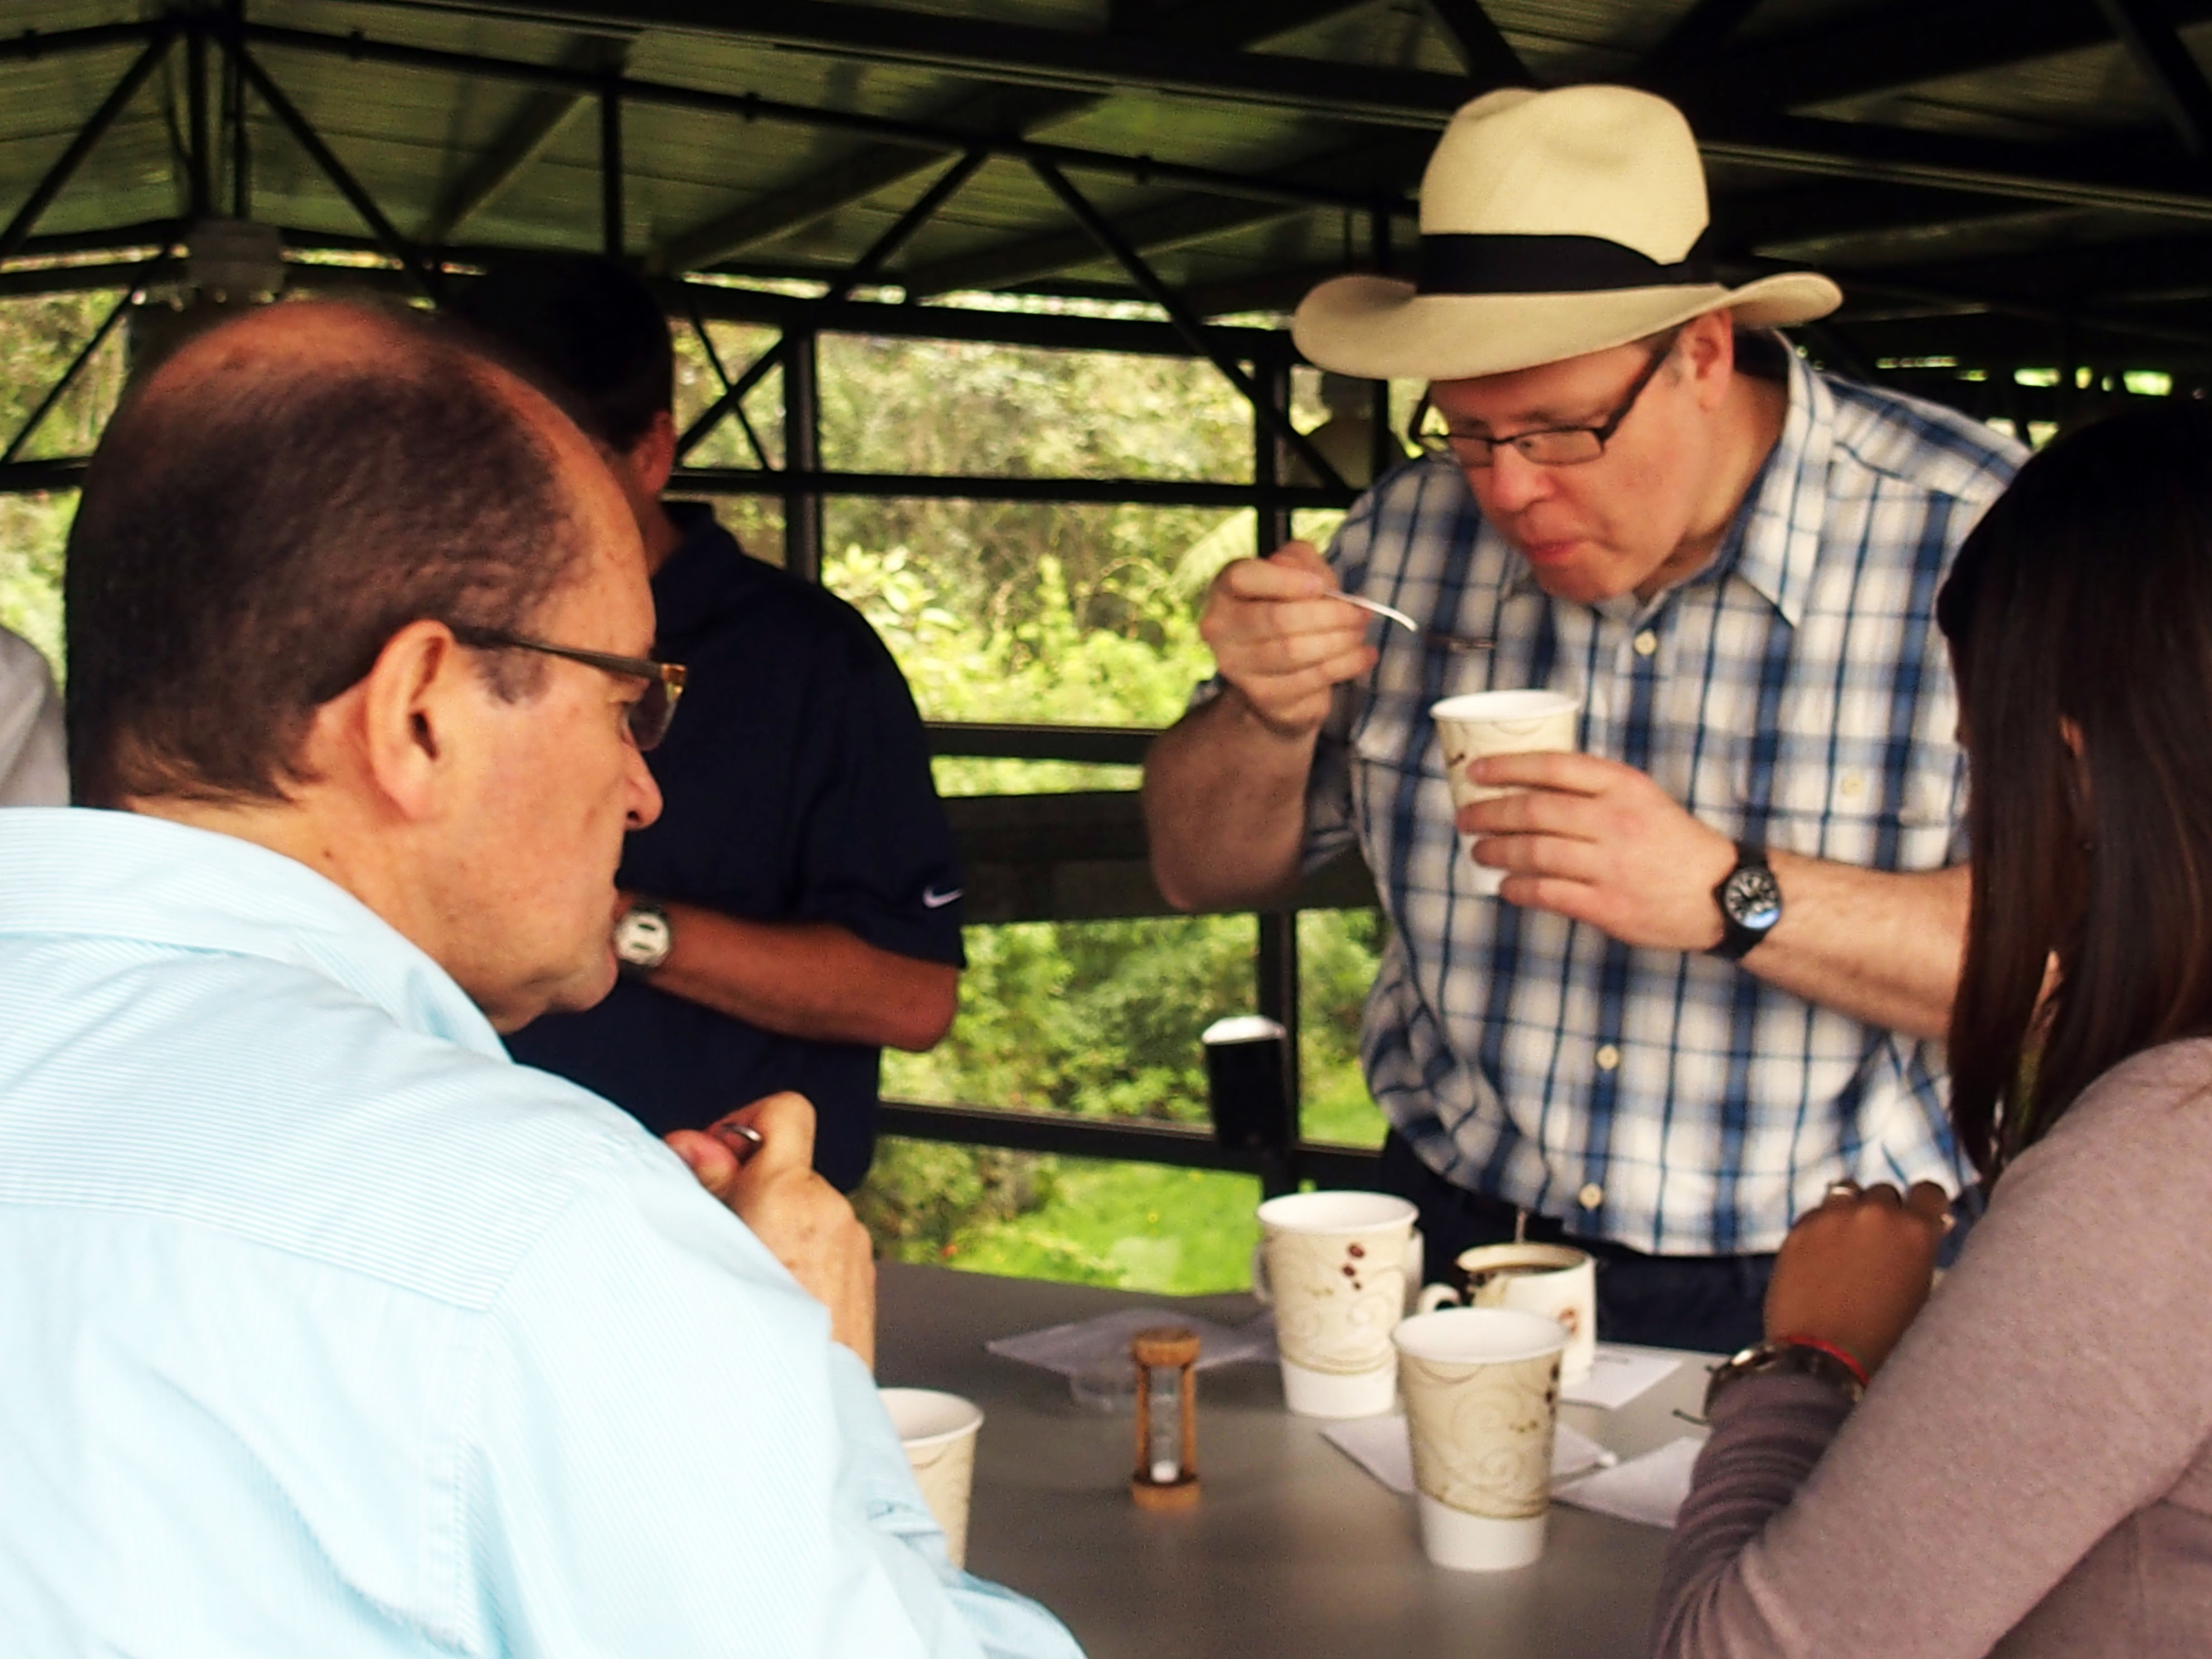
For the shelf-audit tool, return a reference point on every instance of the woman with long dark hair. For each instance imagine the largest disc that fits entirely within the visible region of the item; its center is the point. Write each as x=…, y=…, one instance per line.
x=2031, y=1472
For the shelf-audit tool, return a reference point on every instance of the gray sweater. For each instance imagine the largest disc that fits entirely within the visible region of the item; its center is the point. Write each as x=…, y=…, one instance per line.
x=2031, y=1474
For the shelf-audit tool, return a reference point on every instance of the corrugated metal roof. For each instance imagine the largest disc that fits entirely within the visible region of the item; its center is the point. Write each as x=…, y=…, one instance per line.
x=2008, y=169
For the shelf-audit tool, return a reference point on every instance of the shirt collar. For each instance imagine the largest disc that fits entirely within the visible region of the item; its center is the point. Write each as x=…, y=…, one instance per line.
x=1774, y=541
x=76, y=872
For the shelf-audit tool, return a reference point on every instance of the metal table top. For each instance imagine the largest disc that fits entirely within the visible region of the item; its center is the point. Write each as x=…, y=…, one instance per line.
x=1292, y=1550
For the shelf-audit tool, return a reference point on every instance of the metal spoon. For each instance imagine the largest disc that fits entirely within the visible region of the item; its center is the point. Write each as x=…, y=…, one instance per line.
x=1449, y=641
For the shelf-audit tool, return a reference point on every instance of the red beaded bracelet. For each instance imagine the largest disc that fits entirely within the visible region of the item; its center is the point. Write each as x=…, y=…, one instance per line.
x=1838, y=1355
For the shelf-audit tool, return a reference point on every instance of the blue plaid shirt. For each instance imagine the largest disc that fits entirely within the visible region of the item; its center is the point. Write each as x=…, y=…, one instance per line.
x=1796, y=693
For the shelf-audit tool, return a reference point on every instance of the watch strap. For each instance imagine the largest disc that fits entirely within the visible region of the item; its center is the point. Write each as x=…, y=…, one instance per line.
x=1796, y=1357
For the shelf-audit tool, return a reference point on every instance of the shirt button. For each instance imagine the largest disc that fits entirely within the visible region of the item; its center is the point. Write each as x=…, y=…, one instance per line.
x=1646, y=643
x=1608, y=1058
x=1854, y=785
x=1591, y=1196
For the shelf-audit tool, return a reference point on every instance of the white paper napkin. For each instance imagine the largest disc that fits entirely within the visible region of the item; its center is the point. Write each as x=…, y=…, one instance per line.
x=1618, y=1377
x=1380, y=1446
x=1649, y=1489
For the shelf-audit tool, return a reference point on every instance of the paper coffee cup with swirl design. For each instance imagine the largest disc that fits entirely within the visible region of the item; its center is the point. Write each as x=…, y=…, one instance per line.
x=1483, y=723
x=1482, y=1407
x=1335, y=1266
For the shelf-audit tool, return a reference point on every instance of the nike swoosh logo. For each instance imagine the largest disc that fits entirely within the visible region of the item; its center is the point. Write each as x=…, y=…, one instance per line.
x=937, y=901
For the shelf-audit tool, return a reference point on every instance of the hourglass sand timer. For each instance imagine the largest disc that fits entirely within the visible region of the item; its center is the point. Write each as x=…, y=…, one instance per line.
x=1166, y=1476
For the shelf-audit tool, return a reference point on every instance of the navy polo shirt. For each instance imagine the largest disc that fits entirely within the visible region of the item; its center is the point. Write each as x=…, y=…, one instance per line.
x=796, y=787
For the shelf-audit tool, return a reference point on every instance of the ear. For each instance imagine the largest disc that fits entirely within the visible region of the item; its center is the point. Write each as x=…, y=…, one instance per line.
x=415, y=704
x=1708, y=347
x=652, y=457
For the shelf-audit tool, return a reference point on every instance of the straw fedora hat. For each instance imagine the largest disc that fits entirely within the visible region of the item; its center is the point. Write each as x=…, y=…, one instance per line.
x=1552, y=224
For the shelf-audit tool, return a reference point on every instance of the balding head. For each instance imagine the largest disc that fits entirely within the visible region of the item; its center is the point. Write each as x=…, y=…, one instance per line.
x=267, y=510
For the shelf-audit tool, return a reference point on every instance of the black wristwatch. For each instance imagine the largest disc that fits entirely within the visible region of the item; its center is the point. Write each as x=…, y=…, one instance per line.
x=1750, y=900
x=642, y=938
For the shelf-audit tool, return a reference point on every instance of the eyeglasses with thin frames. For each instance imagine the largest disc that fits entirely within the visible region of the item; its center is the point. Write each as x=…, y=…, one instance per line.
x=1551, y=446
x=648, y=718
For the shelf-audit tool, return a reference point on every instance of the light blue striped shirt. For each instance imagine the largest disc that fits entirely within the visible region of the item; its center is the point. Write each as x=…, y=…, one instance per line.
x=325, y=1329
x=1796, y=693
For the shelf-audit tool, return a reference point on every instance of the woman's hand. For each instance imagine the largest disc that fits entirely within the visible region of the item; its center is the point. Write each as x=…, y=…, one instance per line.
x=1854, y=1272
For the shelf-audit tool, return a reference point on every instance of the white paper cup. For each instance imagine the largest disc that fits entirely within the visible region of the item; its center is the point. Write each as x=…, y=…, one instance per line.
x=1553, y=1281
x=1335, y=1267
x=939, y=1432
x=1482, y=1404
x=1497, y=723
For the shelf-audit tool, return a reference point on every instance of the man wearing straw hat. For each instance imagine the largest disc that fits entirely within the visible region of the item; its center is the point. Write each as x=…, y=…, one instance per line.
x=1724, y=956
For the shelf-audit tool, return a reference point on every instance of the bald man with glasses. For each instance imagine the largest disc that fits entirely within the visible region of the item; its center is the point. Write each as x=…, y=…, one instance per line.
x=1724, y=956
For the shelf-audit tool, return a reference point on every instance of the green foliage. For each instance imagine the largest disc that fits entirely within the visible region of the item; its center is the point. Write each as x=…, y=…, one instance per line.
x=38, y=337
x=34, y=532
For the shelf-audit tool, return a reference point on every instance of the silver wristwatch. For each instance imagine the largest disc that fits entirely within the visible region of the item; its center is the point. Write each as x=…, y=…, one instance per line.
x=642, y=938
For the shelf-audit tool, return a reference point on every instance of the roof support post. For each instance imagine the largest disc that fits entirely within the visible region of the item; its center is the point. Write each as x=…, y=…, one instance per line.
x=239, y=156
x=802, y=453
x=611, y=166
x=200, y=185
x=2177, y=83
x=1184, y=320
x=43, y=194
x=424, y=276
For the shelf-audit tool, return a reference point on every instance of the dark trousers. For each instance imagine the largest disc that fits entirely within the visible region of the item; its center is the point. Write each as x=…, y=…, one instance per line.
x=1714, y=1303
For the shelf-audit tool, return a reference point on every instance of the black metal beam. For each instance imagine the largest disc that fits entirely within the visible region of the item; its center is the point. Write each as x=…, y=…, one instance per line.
x=425, y=275
x=542, y=117
x=802, y=455
x=1170, y=224
x=1703, y=29
x=1076, y=60
x=969, y=487
x=1095, y=745
x=995, y=110
x=611, y=166
x=2177, y=83
x=1490, y=59
x=2122, y=176
x=199, y=161
x=921, y=135
x=1890, y=48
x=870, y=265
x=2102, y=176
x=813, y=199
x=33, y=46
x=1181, y=317
x=42, y=194
x=1070, y=1136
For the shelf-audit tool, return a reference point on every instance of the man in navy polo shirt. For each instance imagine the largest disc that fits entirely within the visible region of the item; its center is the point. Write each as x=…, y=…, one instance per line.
x=796, y=909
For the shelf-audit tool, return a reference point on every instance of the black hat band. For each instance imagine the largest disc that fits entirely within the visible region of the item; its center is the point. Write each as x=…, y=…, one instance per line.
x=1463, y=263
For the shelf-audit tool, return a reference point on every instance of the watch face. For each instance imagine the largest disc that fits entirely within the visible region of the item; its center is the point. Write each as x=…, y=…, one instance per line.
x=1752, y=898
x=642, y=938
